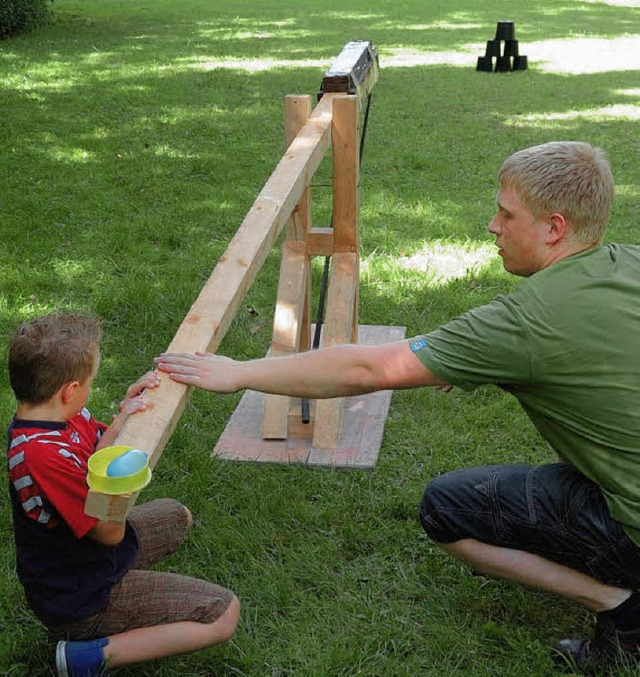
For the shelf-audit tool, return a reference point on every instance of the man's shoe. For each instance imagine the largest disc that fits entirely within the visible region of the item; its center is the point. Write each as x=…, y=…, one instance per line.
x=81, y=659
x=607, y=647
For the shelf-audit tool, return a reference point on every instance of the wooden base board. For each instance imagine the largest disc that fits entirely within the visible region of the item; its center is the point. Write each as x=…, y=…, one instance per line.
x=362, y=431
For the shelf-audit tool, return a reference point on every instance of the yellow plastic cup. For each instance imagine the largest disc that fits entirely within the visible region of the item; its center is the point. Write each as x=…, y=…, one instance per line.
x=98, y=480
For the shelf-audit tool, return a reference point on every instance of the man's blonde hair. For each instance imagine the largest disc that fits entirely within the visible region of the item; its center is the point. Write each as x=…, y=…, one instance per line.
x=568, y=177
x=50, y=351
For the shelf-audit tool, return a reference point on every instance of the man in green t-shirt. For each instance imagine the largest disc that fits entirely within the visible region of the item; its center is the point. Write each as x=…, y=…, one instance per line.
x=563, y=343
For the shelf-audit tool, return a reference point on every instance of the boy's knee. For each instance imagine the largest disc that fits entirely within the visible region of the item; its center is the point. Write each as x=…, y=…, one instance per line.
x=227, y=623
x=171, y=506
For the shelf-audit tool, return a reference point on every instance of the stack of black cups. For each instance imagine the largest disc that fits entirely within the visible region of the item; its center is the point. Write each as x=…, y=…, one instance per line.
x=507, y=58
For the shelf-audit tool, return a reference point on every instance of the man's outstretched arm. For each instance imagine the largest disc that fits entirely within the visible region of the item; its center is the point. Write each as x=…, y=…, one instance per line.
x=330, y=372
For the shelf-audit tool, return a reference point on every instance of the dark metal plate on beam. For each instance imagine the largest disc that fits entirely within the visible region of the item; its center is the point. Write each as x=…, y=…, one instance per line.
x=354, y=70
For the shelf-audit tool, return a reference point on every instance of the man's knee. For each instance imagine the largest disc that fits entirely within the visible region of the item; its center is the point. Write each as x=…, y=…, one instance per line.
x=433, y=508
x=455, y=505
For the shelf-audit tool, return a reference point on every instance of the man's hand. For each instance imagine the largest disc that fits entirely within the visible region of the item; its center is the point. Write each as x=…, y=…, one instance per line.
x=203, y=370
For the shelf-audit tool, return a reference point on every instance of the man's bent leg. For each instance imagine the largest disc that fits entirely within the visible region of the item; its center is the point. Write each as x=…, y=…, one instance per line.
x=536, y=572
x=509, y=522
x=552, y=511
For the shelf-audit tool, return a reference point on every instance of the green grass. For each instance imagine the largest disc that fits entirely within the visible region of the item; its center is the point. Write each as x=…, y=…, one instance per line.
x=128, y=162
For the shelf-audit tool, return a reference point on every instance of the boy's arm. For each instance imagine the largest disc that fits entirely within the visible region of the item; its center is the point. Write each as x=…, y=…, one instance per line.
x=108, y=533
x=112, y=533
x=133, y=402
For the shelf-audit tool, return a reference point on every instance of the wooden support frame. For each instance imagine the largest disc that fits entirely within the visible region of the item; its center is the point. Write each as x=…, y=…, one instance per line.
x=283, y=204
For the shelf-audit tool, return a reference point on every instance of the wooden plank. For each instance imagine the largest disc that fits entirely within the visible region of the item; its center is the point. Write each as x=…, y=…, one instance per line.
x=343, y=283
x=287, y=326
x=211, y=314
x=345, y=173
x=362, y=431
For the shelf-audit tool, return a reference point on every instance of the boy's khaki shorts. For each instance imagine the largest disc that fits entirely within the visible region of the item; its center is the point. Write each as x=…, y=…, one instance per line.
x=144, y=598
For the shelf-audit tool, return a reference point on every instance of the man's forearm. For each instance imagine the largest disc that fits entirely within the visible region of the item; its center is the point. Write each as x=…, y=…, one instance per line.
x=333, y=372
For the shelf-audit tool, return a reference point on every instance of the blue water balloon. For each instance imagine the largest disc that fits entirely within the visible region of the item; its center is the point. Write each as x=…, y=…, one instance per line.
x=128, y=463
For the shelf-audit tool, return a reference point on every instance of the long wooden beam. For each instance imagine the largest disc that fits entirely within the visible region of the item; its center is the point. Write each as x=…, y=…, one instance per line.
x=211, y=314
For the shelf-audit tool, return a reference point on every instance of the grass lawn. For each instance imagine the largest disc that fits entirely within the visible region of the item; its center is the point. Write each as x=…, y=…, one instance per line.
x=134, y=137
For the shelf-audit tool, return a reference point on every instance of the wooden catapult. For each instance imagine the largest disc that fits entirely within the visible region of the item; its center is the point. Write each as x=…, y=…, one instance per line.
x=341, y=432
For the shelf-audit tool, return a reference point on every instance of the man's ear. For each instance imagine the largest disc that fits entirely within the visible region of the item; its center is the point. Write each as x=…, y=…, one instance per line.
x=558, y=228
x=68, y=391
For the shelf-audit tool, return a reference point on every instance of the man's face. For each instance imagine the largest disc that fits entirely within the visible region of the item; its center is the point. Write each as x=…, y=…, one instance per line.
x=520, y=236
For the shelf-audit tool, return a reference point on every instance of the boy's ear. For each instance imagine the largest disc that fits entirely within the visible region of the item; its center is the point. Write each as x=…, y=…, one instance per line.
x=68, y=391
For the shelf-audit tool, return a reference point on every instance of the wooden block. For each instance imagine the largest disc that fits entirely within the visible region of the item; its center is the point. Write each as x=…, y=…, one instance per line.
x=297, y=428
x=297, y=112
x=362, y=433
x=320, y=242
x=343, y=282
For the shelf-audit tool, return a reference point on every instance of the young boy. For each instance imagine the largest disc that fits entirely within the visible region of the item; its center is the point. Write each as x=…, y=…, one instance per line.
x=86, y=579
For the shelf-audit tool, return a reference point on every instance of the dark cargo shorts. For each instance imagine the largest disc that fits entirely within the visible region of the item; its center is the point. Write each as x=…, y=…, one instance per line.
x=552, y=510
x=143, y=598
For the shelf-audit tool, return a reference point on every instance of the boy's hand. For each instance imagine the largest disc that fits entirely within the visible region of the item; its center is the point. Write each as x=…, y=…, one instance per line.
x=133, y=400
x=131, y=405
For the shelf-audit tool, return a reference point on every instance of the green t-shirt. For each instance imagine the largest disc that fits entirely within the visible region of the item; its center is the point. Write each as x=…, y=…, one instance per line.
x=566, y=344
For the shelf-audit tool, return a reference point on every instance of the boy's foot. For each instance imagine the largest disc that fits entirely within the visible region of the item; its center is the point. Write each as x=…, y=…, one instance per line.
x=607, y=647
x=81, y=659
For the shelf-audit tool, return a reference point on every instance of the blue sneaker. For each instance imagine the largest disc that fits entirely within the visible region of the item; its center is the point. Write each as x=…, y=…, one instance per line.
x=81, y=659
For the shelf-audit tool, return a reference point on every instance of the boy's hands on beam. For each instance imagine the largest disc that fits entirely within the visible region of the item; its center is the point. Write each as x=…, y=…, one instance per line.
x=133, y=400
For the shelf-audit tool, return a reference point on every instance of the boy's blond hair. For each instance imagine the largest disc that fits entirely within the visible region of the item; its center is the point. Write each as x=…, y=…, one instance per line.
x=50, y=351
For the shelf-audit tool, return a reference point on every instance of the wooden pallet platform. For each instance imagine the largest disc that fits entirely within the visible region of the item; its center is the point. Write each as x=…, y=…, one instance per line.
x=363, y=426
